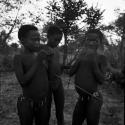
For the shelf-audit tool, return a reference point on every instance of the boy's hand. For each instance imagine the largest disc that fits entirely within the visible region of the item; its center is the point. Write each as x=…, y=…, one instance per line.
x=42, y=55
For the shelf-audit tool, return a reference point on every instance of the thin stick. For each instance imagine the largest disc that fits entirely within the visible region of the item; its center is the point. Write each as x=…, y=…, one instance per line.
x=88, y=92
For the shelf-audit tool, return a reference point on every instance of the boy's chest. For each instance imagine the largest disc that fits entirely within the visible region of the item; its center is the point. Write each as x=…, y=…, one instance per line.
x=55, y=58
x=28, y=61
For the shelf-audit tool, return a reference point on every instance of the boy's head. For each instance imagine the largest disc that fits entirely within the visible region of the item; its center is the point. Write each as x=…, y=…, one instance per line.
x=54, y=35
x=29, y=36
x=93, y=38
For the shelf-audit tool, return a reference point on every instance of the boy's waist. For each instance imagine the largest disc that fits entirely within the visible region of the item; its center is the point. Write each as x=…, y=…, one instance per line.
x=85, y=91
x=41, y=100
x=35, y=93
x=88, y=96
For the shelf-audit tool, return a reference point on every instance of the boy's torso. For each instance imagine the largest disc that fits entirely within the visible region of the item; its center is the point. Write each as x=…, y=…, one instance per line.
x=85, y=77
x=55, y=69
x=38, y=85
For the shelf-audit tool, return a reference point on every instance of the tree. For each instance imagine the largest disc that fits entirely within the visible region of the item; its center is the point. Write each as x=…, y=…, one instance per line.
x=120, y=24
x=93, y=17
x=8, y=20
x=65, y=13
x=13, y=14
x=2, y=37
x=117, y=28
x=120, y=29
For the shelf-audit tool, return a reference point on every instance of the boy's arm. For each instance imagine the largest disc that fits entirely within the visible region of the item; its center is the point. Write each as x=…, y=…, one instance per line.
x=22, y=77
x=74, y=68
x=98, y=74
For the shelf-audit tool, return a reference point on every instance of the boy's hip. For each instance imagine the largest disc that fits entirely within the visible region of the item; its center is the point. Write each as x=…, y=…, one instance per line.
x=27, y=100
x=91, y=96
x=27, y=106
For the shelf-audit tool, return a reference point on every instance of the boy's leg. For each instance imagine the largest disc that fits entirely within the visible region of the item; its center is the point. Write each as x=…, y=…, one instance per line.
x=25, y=111
x=40, y=114
x=79, y=113
x=49, y=101
x=59, y=104
x=93, y=110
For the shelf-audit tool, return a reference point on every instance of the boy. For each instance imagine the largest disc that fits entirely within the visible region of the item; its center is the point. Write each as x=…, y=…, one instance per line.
x=87, y=78
x=54, y=36
x=31, y=72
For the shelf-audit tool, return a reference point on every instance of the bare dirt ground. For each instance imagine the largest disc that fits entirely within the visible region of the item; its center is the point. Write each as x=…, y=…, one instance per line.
x=112, y=112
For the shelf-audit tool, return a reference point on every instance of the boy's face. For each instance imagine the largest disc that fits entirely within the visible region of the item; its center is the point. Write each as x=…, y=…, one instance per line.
x=32, y=40
x=54, y=40
x=92, y=40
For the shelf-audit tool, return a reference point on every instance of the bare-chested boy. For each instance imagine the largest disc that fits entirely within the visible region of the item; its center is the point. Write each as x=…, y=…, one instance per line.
x=31, y=71
x=87, y=78
x=54, y=35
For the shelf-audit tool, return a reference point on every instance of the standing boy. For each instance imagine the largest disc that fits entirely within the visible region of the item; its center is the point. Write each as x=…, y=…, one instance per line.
x=54, y=35
x=31, y=71
x=87, y=78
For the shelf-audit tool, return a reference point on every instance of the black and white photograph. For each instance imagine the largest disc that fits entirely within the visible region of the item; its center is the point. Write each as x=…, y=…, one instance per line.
x=62, y=62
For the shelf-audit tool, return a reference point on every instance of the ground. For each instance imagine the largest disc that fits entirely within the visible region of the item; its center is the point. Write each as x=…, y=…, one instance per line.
x=112, y=112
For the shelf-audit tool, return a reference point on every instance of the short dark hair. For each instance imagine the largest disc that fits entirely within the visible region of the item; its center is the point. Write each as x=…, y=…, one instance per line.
x=97, y=31
x=52, y=30
x=24, y=29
